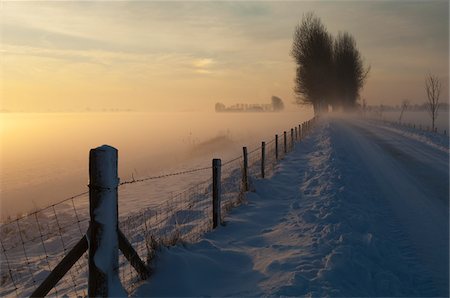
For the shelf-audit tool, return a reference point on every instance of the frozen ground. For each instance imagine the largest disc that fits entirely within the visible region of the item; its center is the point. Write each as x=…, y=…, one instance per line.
x=358, y=209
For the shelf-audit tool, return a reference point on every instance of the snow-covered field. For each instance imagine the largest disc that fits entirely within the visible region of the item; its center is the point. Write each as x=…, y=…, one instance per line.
x=359, y=209
x=173, y=207
x=421, y=119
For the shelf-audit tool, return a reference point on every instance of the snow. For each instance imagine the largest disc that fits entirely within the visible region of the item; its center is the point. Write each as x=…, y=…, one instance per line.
x=358, y=209
x=421, y=119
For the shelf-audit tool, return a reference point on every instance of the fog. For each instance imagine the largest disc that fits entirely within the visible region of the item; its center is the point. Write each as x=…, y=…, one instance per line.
x=421, y=119
x=44, y=156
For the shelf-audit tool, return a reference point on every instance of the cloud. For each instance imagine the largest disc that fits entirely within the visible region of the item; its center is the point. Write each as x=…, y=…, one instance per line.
x=231, y=42
x=203, y=63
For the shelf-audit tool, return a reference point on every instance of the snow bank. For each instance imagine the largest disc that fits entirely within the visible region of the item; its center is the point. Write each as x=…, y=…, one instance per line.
x=321, y=226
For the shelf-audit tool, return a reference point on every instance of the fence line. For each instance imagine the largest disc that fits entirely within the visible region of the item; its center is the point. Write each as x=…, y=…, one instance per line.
x=32, y=245
x=418, y=127
x=412, y=125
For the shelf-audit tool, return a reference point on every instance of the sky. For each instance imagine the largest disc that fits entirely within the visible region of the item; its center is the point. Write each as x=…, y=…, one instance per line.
x=183, y=56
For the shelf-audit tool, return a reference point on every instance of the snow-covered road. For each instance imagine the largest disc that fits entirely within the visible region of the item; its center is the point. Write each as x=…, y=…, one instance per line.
x=358, y=209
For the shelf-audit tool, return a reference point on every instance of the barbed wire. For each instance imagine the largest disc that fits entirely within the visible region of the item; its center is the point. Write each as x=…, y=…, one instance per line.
x=164, y=176
x=232, y=160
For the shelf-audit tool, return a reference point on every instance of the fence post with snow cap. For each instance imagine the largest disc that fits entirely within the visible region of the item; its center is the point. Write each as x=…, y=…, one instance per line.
x=263, y=157
x=103, y=228
x=216, y=167
x=245, y=169
x=276, y=147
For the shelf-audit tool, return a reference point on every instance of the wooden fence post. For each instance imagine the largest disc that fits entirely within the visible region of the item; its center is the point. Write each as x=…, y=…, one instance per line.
x=292, y=139
x=245, y=170
x=296, y=134
x=103, y=227
x=276, y=146
x=300, y=132
x=216, y=165
x=285, y=142
x=263, y=157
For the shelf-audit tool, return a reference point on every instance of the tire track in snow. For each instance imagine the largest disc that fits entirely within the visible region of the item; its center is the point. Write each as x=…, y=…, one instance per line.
x=416, y=204
x=351, y=244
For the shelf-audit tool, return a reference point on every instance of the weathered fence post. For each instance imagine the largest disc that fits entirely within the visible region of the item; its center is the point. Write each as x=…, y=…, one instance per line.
x=263, y=157
x=296, y=134
x=276, y=147
x=103, y=227
x=300, y=136
x=292, y=139
x=216, y=165
x=285, y=142
x=245, y=170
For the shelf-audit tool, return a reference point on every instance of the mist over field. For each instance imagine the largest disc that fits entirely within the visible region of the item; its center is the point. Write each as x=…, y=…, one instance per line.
x=51, y=163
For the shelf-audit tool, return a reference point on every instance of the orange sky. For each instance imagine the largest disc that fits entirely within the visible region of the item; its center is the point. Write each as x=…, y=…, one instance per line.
x=188, y=55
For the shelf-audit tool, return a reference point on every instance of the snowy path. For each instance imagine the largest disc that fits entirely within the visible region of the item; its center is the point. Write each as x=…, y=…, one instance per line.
x=356, y=210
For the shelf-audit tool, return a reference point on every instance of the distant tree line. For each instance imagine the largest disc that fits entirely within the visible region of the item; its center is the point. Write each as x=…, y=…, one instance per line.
x=411, y=107
x=276, y=105
x=330, y=70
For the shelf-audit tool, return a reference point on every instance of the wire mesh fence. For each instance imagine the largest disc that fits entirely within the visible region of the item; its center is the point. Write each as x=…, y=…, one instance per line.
x=33, y=245
x=231, y=185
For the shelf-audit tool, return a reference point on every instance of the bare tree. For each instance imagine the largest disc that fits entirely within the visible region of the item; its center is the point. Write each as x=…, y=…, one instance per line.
x=405, y=104
x=433, y=88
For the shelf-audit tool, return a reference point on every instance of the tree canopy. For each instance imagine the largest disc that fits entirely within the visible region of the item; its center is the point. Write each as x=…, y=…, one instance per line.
x=330, y=71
